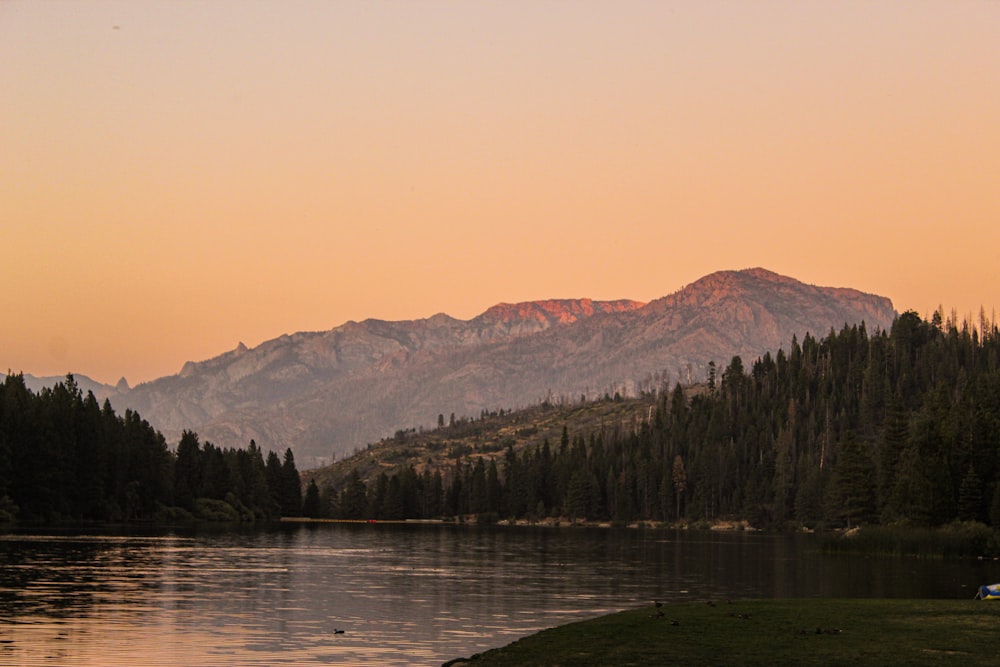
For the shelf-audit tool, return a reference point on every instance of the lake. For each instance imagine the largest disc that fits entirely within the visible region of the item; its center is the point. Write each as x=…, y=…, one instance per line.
x=400, y=594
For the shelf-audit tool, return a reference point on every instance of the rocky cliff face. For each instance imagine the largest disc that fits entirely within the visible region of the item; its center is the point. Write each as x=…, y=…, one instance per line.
x=326, y=393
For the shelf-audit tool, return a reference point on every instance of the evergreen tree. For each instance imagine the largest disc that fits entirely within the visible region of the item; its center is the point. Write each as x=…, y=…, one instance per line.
x=188, y=470
x=215, y=474
x=995, y=505
x=679, y=479
x=354, y=498
x=895, y=439
x=852, y=492
x=494, y=490
x=257, y=494
x=970, y=497
x=291, y=486
x=583, y=495
x=477, y=488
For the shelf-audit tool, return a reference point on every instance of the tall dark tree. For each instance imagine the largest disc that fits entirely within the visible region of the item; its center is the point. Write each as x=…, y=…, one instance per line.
x=188, y=470
x=852, y=495
x=310, y=504
x=291, y=486
x=256, y=493
x=970, y=497
x=354, y=498
x=275, y=480
x=216, y=478
x=679, y=479
x=894, y=441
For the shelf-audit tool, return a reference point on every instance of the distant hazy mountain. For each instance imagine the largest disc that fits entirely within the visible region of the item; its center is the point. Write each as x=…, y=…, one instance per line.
x=101, y=391
x=327, y=393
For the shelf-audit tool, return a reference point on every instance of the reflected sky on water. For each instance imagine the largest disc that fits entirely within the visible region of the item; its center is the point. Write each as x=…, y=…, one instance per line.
x=401, y=594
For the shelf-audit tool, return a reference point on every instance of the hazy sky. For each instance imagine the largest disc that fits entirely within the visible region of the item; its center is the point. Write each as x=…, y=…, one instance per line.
x=176, y=177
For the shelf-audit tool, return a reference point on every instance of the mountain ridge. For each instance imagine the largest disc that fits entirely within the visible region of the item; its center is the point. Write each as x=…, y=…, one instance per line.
x=326, y=393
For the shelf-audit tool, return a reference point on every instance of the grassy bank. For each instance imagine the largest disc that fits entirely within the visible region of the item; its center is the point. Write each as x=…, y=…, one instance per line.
x=967, y=539
x=768, y=632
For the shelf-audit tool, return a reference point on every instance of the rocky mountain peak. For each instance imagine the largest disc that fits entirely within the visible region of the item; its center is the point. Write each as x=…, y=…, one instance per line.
x=326, y=393
x=554, y=311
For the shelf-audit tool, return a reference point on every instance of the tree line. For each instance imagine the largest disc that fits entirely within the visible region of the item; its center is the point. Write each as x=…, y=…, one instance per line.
x=64, y=457
x=897, y=427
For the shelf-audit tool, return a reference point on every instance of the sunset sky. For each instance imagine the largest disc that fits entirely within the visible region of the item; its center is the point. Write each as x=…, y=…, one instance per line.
x=177, y=177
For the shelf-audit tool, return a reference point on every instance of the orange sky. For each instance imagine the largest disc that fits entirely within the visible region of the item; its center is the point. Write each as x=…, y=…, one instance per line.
x=176, y=177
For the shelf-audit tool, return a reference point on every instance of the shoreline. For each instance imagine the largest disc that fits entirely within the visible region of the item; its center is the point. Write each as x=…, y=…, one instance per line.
x=867, y=631
x=550, y=522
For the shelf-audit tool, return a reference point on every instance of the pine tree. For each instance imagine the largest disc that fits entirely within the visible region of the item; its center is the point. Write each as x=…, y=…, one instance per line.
x=852, y=492
x=187, y=470
x=291, y=486
x=354, y=498
x=894, y=441
x=970, y=497
x=310, y=504
x=679, y=479
x=275, y=480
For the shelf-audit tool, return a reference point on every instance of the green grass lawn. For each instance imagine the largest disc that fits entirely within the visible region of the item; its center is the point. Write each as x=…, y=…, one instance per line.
x=770, y=632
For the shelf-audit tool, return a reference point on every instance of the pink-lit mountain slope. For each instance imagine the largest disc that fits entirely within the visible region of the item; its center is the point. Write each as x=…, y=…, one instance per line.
x=327, y=393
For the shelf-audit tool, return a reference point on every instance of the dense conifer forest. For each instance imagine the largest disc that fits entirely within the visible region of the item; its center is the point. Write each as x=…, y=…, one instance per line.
x=897, y=427
x=63, y=457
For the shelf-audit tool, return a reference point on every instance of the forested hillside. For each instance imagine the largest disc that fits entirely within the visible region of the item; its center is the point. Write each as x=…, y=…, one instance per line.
x=64, y=457
x=899, y=426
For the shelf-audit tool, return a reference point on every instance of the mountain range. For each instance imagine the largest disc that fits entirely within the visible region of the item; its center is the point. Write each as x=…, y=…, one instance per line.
x=328, y=393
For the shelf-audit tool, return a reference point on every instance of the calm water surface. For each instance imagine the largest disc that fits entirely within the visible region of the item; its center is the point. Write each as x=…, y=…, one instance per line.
x=402, y=594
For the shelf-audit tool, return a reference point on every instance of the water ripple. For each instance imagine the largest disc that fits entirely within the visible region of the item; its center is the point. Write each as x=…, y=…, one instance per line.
x=400, y=595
